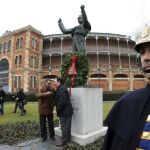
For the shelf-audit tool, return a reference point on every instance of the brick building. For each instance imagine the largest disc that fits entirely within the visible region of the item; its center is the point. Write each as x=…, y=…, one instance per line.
x=27, y=56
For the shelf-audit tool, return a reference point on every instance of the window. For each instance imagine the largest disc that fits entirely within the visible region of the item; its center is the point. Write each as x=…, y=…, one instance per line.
x=4, y=47
x=0, y=48
x=120, y=76
x=17, y=82
x=34, y=43
x=98, y=75
x=19, y=43
x=138, y=76
x=33, y=61
x=18, y=61
x=9, y=45
x=33, y=81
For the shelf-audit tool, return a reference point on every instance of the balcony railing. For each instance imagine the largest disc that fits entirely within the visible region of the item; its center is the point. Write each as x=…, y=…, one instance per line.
x=51, y=68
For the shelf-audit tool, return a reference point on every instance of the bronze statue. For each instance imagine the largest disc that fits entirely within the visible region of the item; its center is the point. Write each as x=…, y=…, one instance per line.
x=79, y=32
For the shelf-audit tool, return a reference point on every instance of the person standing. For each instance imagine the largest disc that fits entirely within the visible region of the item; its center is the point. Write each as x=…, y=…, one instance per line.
x=14, y=96
x=128, y=121
x=2, y=99
x=20, y=98
x=46, y=106
x=64, y=111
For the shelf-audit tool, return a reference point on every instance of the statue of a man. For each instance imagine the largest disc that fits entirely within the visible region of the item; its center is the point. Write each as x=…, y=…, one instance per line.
x=79, y=32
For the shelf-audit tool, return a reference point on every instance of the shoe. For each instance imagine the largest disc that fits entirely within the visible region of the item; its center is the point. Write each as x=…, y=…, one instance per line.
x=52, y=138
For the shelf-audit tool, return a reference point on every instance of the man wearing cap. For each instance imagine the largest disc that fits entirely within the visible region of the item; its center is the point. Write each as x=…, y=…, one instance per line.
x=2, y=99
x=129, y=120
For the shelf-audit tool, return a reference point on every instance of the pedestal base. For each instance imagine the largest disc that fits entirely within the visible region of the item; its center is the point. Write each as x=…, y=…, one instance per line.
x=84, y=139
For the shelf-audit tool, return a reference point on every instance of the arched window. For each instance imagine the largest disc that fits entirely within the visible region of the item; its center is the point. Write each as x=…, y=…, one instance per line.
x=9, y=45
x=35, y=63
x=34, y=43
x=33, y=81
x=138, y=76
x=98, y=76
x=0, y=48
x=16, y=60
x=31, y=61
x=50, y=77
x=120, y=76
x=20, y=59
x=17, y=82
x=19, y=43
x=4, y=65
x=4, y=47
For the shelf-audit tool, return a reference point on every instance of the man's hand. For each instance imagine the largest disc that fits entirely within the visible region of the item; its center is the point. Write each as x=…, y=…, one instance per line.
x=82, y=7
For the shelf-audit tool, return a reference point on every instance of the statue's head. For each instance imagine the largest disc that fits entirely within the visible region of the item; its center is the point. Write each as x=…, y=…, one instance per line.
x=80, y=19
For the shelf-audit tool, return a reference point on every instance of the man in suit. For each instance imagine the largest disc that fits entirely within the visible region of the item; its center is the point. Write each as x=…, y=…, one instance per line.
x=64, y=111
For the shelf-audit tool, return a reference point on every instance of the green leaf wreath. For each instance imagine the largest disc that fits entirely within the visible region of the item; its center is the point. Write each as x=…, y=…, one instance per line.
x=82, y=68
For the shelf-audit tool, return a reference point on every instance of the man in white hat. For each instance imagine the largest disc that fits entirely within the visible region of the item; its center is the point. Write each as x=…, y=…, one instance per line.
x=129, y=120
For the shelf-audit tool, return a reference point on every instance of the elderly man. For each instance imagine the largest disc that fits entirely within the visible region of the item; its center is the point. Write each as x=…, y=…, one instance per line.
x=46, y=106
x=129, y=120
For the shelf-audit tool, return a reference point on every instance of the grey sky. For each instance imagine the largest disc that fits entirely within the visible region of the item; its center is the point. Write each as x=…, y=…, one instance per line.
x=109, y=16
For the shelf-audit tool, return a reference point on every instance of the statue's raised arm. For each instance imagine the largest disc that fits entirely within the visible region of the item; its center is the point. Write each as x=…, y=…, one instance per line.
x=79, y=32
x=85, y=20
x=62, y=27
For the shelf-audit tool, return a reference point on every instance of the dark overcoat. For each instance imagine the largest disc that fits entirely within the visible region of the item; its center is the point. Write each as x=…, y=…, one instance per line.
x=63, y=102
x=2, y=96
x=126, y=120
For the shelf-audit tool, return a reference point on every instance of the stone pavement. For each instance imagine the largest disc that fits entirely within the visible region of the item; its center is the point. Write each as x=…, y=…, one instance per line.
x=34, y=145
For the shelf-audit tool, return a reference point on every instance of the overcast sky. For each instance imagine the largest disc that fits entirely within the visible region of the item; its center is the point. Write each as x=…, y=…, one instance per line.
x=105, y=16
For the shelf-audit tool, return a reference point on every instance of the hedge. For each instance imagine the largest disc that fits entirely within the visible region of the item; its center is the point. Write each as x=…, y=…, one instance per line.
x=28, y=97
x=107, y=96
x=112, y=95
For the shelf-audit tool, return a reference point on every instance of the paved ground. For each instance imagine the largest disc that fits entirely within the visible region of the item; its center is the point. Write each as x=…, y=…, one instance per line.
x=34, y=145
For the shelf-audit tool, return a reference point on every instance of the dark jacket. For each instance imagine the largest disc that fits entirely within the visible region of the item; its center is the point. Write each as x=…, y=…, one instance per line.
x=46, y=102
x=63, y=103
x=2, y=96
x=20, y=96
x=126, y=120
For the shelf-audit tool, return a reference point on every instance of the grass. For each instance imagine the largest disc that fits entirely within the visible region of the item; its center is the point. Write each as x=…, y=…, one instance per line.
x=107, y=105
x=32, y=112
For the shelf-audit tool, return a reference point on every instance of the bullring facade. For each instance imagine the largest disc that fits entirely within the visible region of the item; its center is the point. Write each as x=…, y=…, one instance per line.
x=27, y=56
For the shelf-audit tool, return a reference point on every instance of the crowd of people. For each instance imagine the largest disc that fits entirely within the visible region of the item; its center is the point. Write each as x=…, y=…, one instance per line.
x=52, y=94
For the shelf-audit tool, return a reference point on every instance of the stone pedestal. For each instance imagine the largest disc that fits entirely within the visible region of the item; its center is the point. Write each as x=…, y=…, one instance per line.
x=87, y=119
